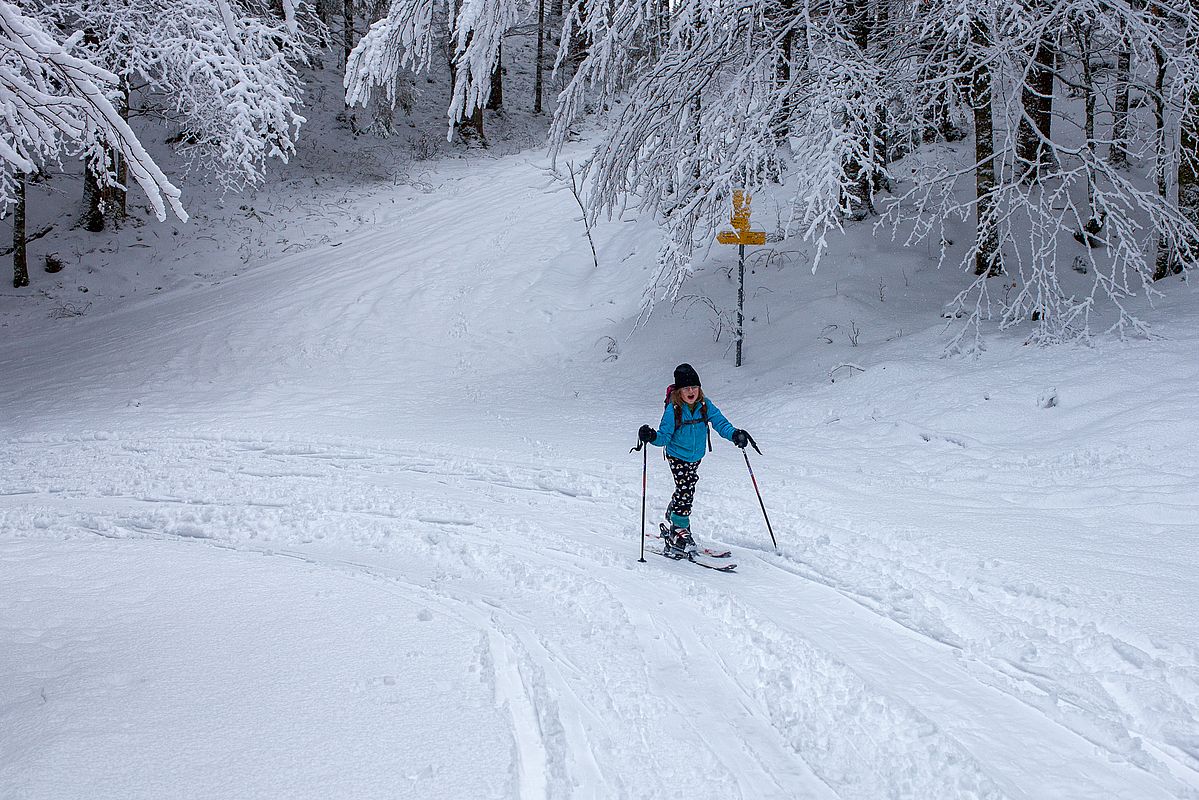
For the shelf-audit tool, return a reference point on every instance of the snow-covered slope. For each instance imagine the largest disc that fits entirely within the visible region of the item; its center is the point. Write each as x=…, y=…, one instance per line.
x=362, y=522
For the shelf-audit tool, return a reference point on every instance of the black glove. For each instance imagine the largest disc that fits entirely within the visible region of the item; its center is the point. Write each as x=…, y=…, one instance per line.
x=740, y=438
x=646, y=434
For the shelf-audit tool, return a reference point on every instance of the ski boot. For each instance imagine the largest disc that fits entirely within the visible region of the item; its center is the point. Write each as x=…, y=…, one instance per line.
x=679, y=543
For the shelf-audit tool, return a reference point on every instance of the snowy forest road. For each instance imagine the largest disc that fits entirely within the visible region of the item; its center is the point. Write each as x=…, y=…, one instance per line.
x=614, y=679
x=452, y=298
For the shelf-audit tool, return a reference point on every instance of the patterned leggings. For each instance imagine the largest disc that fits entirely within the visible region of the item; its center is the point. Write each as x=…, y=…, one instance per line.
x=686, y=475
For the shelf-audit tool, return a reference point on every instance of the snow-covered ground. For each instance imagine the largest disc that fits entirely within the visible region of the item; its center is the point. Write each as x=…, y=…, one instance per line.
x=362, y=521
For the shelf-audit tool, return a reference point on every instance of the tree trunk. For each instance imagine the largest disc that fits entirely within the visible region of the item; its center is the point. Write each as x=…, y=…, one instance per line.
x=697, y=119
x=987, y=258
x=1094, y=223
x=538, y=85
x=116, y=197
x=859, y=184
x=1163, y=259
x=580, y=45
x=1088, y=87
x=935, y=72
x=1188, y=160
x=20, y=266
x=1118, y=154
x=657, y=29
x=1188, y=176
x=347, y=34
x=474, y=125
x=1034, y=132
x=452, y=14
x=326, y=10
x=471, y=125
x=91, y=217
x=883, y=137
x=495, y=100
x=781, y=124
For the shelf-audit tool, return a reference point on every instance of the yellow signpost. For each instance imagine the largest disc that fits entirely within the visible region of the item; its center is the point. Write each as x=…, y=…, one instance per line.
x=740, y=235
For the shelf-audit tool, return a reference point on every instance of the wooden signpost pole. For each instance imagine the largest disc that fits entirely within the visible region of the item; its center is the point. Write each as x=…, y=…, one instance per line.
x=740, y=300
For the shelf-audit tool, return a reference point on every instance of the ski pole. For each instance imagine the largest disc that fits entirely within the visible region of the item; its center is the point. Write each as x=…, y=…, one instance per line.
x=644, y=481
x=753, y=478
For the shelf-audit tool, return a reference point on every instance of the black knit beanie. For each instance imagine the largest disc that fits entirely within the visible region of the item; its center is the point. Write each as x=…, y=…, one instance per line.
x=684, y=376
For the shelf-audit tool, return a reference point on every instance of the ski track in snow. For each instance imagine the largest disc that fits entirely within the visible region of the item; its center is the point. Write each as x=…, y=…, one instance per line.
x=864, y=660
x=203, y=348
x=836, y=668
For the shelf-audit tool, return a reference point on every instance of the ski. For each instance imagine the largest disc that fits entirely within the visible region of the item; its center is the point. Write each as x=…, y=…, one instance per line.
x=719, y=566
x=703, y=551
x=699, y=560
x=700, y=557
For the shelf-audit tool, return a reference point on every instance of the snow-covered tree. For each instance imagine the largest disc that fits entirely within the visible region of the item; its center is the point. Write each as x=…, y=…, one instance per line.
x=223, y=71
x=1188, y=149
x=713, y=97
x=1080, y=192
x=709, y=97
x=406, y=39
x=56, y=103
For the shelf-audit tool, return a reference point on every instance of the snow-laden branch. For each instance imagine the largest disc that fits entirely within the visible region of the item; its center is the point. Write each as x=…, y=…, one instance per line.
x=53, y=102
x=708, y=96
x=226, y=71
x=1121, y=218
x=404, y=40
x=481, y=25
x=718, y=97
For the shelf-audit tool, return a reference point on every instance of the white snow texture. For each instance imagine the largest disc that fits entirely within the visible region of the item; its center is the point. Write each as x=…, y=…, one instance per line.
x=361, y=522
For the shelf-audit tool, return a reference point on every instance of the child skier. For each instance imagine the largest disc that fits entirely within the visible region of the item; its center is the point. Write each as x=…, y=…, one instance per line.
x=684, y=433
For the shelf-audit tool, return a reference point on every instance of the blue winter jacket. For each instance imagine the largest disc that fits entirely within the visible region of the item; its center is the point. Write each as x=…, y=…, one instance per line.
x=690, y=441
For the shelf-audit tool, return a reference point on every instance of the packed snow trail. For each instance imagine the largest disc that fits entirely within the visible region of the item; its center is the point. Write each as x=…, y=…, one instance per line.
x=353, y=338
x=157, y=669
x=771, y=684
x=362, y=523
